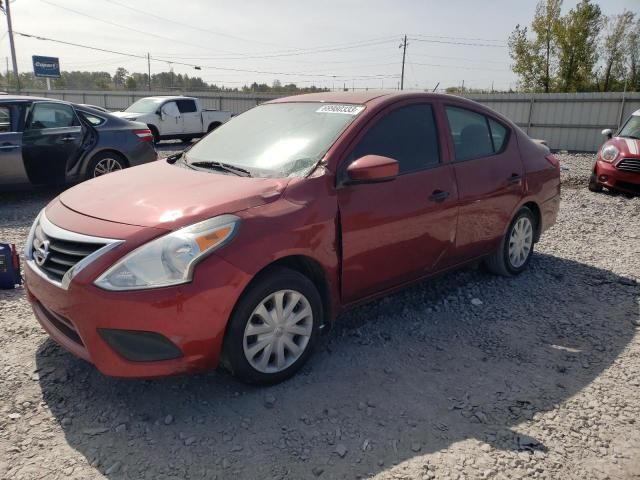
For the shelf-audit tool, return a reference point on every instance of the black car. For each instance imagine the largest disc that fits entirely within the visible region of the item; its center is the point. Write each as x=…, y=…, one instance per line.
x=47, y=141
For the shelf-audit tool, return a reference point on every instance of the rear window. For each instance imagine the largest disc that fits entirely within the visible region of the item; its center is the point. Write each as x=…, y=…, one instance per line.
x=186, y=106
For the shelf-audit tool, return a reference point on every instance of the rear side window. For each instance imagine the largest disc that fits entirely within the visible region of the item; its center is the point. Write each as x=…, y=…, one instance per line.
x=92, y=119
x=474, y=135
x=51, y=115
x=5, y=120
x=498, y=135
x=407, y=134
x=186, y=106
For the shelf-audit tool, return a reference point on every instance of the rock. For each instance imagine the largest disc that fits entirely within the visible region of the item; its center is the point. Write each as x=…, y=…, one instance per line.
x=14, y=416
x=476, y=301
x=225, y=463
x=65, y=422
x=341, y=450
x=236, y=448
x=95, y=431
x=168, y=420
x=317, y=471
x=416, y=447
x=121, y=428
x=269, y=400
x=190, y=441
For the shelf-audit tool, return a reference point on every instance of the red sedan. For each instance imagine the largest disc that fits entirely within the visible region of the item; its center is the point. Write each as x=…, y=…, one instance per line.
x=617, y=166
x=241, y=250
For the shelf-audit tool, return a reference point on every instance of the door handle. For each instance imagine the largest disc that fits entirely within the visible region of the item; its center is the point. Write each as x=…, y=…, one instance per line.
x=514, y=178
x=68, y=138
x=438, y=196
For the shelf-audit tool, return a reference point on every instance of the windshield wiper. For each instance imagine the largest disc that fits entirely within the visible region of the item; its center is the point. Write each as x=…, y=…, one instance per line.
x=241, y=172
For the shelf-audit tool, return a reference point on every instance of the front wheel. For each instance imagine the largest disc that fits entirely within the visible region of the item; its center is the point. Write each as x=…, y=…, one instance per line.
x=516, y=247
x=594, y=186
x=273, y=328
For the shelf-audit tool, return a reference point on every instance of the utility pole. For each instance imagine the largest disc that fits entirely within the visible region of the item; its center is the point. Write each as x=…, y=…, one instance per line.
x=7, y=10
x=149, y=71
x=403, y=46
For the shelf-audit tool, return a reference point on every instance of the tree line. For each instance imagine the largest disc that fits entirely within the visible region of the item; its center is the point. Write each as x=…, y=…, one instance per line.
x=122, y=79
x=580, y=51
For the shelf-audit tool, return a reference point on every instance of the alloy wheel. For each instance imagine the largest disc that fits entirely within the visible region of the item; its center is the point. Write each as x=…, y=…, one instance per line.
x=106, y=165
x=278, y=331
x=520, y=242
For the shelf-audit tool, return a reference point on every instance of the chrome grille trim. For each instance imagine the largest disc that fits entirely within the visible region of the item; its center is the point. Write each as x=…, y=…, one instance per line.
x=61, y=262
x=629, y=165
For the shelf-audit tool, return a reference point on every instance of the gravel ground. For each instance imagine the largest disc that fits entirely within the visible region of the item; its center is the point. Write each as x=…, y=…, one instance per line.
x=463, y=377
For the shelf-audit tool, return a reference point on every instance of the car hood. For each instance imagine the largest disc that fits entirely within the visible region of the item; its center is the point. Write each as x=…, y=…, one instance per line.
x=127, y=115
x=162, y=195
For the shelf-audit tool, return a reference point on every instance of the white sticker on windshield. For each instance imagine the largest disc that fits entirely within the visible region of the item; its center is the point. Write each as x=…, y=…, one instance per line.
x=346, y=109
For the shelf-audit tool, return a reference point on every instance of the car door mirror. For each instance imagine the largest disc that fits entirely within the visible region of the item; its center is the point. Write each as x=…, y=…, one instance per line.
x=607, y=132
x=372, y=169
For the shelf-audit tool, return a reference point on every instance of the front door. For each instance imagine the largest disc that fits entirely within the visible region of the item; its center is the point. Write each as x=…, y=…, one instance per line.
x=11, y=166
x=399, y=230
x=171, y=120
x=489, y=174
x=52, y=142
x=191, y=118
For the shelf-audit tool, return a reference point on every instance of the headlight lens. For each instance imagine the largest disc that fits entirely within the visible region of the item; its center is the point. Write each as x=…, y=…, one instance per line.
x=169, y=260
x=609, y=153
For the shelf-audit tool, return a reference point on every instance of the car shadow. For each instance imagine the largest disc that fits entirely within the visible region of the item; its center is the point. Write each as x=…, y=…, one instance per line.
x=397, y=378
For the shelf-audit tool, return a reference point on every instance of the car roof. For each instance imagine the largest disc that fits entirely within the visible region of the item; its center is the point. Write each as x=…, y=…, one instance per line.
x=26, y=98
x=168, y=97
x=366, y=97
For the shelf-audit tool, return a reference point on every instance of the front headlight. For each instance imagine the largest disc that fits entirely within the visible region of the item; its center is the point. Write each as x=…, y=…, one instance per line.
x=170, y=259
x=609, y=153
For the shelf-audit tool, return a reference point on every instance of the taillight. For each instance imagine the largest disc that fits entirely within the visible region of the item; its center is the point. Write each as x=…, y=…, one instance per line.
x=553, y=160
x=144, y=135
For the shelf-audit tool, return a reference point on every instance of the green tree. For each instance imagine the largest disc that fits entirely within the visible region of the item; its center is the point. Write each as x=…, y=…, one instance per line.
x=131, y=83
x=614, y=48
x=533, y=57
x=120, y=77
x=577, y=41
x=633, y=54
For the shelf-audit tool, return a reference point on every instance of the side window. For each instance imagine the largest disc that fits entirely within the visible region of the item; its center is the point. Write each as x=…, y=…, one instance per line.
x=92, y=119
x=407, y=134
x=51, y=115
x=186, y=106
x=470, y=132
x=498, y=135
x=171, y=109
x=5, y=120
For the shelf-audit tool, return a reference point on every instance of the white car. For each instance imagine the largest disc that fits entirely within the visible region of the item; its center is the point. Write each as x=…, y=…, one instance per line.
x=174, y=117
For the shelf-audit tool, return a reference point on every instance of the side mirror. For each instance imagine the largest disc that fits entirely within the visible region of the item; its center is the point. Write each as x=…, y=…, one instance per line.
x=607, y=132
x=373, y=169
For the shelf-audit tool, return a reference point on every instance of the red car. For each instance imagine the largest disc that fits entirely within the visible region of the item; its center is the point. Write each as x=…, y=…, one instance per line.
x=617, y=166
x=241, y=250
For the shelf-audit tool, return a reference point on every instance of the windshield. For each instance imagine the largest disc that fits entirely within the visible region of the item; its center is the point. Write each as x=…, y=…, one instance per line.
x=145, y=105
x=280, y=139
x=631, y=129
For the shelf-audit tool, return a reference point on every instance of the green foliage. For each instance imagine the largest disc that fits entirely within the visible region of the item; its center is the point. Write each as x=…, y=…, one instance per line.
x=576, y=52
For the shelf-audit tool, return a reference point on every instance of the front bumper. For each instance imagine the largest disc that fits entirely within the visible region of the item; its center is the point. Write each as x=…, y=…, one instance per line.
x=609, y=176
x=191, y=317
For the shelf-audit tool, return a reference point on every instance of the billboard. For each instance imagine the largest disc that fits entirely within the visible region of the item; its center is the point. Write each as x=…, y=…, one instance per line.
x=46, y=66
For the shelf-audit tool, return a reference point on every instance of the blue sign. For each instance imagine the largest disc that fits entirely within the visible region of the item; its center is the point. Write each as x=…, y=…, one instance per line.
x=46, y=66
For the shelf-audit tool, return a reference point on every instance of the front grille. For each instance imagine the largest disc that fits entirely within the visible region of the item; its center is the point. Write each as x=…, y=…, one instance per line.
x=629, y=165
x=54, y=257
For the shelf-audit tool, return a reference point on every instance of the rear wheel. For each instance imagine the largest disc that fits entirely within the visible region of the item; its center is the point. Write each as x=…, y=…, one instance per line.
x=594, y=186
x=516, y=247
x=273, y=328
x=155, y=133
x=103, y=163
x=187, y=139
x=213, y=126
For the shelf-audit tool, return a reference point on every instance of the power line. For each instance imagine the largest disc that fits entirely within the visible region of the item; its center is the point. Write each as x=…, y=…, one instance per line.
x=458, y=43
x=467, y=39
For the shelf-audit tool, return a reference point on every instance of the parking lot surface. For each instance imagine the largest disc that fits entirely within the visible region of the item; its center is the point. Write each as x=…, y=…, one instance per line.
x=462, y=377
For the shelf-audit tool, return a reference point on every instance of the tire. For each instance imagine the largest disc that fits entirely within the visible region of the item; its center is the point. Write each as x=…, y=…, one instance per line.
x=245, y=354
x=502, y=262
x=155, y=133
x=213, y=126
x=104, y=163
x=594, y=186
x=187, y=139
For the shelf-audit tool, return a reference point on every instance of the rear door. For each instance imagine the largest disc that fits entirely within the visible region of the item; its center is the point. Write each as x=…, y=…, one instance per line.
x=191, y=117
x=399, y=230
x=11, y=165
x=52, y=142
x=489, y=174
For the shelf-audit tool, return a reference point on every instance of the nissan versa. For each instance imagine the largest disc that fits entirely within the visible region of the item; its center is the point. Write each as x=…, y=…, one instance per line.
x=239, y=251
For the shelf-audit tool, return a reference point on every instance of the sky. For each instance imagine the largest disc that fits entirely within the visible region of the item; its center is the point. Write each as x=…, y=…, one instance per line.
x=328, y=43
